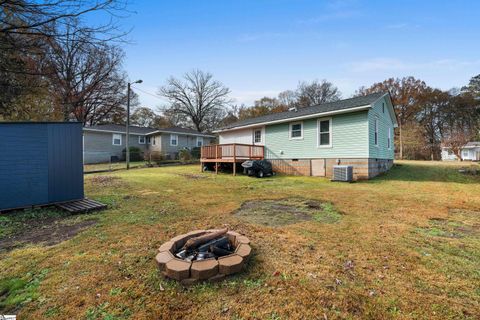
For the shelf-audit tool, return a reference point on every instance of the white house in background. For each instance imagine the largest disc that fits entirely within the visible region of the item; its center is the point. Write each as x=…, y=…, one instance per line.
x=471, y=152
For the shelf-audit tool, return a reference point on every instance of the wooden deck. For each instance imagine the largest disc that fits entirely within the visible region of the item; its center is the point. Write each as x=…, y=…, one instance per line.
x=230, y=153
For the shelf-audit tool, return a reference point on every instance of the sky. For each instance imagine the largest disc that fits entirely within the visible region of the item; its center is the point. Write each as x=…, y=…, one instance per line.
x=261, y=47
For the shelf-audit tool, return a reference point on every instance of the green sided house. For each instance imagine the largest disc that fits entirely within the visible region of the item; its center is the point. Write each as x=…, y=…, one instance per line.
x=310, y=141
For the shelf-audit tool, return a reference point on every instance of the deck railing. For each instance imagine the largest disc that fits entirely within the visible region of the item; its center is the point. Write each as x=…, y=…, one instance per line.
x=232, y=151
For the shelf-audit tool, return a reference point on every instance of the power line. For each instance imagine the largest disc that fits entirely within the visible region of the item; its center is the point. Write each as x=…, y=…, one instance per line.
x=149, y=93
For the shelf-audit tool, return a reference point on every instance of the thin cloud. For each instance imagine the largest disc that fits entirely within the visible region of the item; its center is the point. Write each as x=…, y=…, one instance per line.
x=249, y=37
x=332, y=16
x=393, y=64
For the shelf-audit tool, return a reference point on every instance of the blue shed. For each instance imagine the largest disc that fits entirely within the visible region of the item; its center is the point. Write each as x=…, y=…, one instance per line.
x=40, y=163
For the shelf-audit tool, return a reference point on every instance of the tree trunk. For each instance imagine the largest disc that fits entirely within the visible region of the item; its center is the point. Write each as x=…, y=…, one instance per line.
x=400, y=140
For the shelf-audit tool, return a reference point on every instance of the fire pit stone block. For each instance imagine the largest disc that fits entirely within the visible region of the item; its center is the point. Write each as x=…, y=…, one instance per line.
x=232, y=235
x=243, y=250
x=204, y=269
x=163, y=258
x=178, y=269
x=167, y=246
x=230, y=264
x=241, y=239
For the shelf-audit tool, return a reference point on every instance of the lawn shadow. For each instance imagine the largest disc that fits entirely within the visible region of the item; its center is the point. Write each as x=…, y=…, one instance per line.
x=431, y=172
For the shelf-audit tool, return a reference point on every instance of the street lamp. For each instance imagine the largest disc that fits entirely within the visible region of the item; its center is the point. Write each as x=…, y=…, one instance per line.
x=127, y=149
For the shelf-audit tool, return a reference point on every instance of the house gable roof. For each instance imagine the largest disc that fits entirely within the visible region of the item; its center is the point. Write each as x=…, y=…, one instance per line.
x=341, y=106
x=144, y=130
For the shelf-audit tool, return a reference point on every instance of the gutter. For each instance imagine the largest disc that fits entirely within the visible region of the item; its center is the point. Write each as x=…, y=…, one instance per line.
x=149, y=133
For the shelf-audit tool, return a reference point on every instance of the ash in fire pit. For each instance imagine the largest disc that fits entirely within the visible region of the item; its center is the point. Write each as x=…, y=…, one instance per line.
x=203, y=255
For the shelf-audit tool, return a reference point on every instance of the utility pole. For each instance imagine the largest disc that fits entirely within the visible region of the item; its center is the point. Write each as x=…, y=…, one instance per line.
x=127, y=144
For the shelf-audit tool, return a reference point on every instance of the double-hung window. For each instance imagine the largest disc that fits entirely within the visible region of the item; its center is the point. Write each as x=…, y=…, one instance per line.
x=117, y=139
x=376, y=131
x=141, y=139
x=296, y=130
x=257, y=136
x=173, y=140
x=324, y=132
x=199, y=141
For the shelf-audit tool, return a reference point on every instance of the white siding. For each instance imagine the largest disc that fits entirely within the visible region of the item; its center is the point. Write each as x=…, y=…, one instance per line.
x=467, y=154
x=241, y=136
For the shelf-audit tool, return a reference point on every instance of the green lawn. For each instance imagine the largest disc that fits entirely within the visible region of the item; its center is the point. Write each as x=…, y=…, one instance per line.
x=405, y=245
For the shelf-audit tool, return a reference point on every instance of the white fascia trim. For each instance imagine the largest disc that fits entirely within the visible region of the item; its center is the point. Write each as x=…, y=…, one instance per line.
x=114, y=131
x=149, y=133
x=182, y=133
x=310, y=116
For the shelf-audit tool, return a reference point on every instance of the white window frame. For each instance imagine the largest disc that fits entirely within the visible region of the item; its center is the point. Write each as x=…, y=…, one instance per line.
x=154, y=141
x=254, y=135
x=171, y=140
x=389, y=141
x=149, y=140
x=140, y=140
x=290, y=130
x=199, y=139
x=116, y=136
x=375, y=133
x=330, y=130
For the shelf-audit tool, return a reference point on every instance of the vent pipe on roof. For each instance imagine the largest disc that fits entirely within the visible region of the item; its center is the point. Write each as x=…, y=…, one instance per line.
x=293, y=109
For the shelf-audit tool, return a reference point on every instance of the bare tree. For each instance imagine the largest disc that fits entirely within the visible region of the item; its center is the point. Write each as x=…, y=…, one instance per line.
x=48, y=18
x=146, y=117
x=316, y=92
x=288, y=98
x=29, y=28
x=197, y=97
x=87, y=80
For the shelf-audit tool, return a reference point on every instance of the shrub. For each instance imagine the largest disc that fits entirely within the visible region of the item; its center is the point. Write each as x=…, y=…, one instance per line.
x=195, y=153
x=184, y=155
x=136, y=153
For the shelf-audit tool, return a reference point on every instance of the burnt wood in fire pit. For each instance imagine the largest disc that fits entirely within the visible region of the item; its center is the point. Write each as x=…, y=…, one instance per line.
x=211, y=255
x=193, y=243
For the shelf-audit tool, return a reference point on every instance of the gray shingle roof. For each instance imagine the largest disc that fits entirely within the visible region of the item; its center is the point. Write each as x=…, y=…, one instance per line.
x=121, y=128
x=144, y=130
x=306, y=111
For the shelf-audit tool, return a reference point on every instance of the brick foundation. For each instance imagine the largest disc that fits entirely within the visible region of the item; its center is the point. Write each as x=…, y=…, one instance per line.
x=362, y=168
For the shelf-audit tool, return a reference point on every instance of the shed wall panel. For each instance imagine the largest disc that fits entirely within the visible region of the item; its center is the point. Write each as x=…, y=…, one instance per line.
x=40, y=163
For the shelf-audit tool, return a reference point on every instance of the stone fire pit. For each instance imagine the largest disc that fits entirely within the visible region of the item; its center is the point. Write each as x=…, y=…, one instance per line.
x=195, y=266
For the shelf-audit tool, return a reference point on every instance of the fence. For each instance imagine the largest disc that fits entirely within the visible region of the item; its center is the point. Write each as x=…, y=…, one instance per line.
x=97, y=161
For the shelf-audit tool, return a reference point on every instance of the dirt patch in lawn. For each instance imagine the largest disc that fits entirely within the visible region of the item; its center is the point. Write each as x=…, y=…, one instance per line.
x=458, y=224
x=49, y=231
x=192, y=176
x=107, y=181
x=287, y=211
